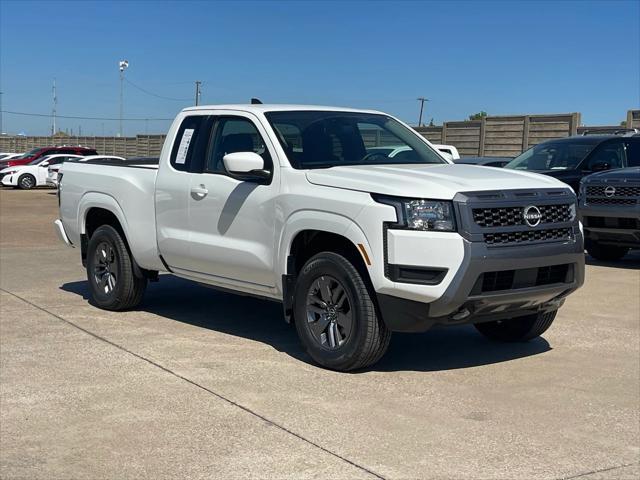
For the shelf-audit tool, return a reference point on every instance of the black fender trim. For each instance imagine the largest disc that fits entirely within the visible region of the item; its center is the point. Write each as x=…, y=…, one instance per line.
x=289, y=288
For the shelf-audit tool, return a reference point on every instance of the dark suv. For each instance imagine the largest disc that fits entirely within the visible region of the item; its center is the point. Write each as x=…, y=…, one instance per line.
x=44, y=151
x=569, y=159
x=609, y=209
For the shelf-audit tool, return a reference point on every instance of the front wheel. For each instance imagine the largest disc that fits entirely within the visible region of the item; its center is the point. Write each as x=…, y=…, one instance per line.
x=26, y=182
x=335, y=316
x=519, y=329
x=113, y=282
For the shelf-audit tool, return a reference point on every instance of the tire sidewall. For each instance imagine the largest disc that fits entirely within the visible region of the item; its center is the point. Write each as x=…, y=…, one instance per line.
x=108, y=235
x=328, y=264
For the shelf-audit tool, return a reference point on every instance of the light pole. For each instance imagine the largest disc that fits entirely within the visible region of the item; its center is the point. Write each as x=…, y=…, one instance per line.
x=421, y=100
x=54, y=109
x=123, y=66
x=198, y=83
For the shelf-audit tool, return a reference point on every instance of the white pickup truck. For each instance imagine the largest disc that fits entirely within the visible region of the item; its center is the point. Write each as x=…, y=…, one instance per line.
x=291, y=203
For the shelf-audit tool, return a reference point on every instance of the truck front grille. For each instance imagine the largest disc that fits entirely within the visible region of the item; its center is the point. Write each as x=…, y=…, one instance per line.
x=513, y=216
x=519, y=217
x=611, y=194
x=599, y=190
x=611, y=201
x=528, y=236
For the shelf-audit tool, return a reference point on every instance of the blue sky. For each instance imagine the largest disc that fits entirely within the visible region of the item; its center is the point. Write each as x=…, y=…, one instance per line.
x=501, y=57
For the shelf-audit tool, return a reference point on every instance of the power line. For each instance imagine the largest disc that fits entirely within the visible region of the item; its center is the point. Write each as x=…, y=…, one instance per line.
x=155, y=94
x=76, y=117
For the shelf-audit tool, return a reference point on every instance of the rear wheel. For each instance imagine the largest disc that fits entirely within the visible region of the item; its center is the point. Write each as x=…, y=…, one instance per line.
x=519, y=329
x=606, y=252
x=112, y=279
x=26, y=181
x=335, y=316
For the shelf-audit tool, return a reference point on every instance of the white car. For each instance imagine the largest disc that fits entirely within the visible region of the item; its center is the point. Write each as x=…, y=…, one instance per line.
x=284, y=202
x=33, y=174
x=54, y=170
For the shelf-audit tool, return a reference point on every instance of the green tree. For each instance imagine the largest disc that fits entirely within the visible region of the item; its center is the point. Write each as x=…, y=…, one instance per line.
x=623, y=123
x=478, y=116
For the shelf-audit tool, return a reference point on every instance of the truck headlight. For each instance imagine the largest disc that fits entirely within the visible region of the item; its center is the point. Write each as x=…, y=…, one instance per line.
x=422, y=214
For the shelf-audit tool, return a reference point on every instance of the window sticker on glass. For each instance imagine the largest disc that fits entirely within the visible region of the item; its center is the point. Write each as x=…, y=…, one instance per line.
x=181, y=156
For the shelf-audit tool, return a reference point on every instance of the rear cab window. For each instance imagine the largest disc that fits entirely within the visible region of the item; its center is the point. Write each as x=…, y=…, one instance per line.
x=188, y=151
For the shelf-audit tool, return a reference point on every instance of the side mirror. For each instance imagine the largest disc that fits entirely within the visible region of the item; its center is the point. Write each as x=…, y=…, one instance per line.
x=247, y=166
x=600, y=166
x=44, y=164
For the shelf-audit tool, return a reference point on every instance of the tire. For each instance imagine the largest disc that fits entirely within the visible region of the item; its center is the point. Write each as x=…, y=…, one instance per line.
x=606, y=252
x=345, y=333
x=519, y=329
x=26, y=182
x=110, y=272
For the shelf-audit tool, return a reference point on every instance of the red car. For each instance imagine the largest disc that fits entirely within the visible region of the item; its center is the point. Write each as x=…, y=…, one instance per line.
x=44, y=151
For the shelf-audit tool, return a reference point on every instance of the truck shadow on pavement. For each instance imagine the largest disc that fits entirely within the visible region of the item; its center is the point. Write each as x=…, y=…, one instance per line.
x=259, y=320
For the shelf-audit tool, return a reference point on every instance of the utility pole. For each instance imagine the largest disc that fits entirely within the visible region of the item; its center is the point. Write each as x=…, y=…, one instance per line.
x=54, y=109
x=1, y=131
x=421, y=100
x=198, y=83
x=123, y=66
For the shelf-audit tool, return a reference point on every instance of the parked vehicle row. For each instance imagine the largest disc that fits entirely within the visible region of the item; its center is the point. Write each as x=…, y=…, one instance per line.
x=40, y=152
x=43, y=170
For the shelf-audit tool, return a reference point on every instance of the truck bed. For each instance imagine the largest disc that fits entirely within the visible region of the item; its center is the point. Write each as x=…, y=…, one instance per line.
x=127, y=187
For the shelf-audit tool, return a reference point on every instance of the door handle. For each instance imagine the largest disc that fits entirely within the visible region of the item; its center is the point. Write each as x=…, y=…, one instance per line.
x=199, y=192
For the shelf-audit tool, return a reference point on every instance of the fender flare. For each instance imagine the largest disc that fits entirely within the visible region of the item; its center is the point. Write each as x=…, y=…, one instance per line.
x=100, y=200
x=322, y=221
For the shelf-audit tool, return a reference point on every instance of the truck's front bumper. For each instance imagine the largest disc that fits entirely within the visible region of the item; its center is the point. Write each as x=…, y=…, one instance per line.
x=613, y=225
x=493, y=283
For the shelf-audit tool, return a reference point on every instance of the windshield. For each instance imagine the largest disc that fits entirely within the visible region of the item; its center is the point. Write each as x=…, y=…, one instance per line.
x=552, y=156
x=317, y=139
x=28, y=154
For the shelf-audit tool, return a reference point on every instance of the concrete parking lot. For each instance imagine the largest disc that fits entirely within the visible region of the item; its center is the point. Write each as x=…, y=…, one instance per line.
x=198, y=383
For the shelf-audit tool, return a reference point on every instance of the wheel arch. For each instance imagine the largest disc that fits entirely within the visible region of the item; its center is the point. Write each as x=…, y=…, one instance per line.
x=97, y=209
x=309, y=233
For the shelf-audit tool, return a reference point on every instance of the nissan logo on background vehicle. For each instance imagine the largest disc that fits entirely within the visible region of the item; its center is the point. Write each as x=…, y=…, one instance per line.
x=532, y=215
x=610, y=191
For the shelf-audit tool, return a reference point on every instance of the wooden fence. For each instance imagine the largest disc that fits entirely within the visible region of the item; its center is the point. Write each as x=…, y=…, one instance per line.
x=500, y=136
x=504, y=136
x=138, y=146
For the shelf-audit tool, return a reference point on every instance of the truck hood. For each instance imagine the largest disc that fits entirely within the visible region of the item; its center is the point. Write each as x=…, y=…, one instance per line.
x=616, y=175
x=441, y=181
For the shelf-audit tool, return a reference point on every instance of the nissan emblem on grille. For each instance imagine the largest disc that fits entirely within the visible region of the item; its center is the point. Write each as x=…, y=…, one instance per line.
x=532, y=215
x=610, y=191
